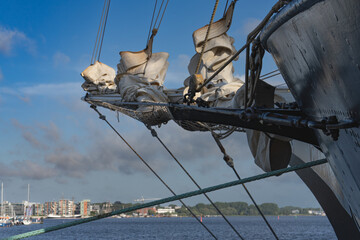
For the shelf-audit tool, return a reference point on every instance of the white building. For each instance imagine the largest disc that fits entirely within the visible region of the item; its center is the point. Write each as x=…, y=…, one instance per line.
x=165, y=210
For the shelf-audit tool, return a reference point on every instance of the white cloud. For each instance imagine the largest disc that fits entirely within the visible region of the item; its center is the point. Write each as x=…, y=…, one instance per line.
x=63, y=90
x=177, y=71
x=60, y=59
x=70, y=88
x=11, y=38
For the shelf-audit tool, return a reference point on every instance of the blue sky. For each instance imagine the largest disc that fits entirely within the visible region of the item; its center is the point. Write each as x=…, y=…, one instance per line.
x=52, y=140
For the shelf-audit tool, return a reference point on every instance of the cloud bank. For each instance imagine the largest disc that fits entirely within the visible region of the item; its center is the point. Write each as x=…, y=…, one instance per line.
x=12, y=38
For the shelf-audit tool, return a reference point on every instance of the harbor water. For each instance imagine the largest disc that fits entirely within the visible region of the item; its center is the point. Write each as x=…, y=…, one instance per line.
x=287, y=227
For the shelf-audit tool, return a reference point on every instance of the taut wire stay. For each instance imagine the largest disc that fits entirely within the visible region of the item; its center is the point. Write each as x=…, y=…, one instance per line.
x=154, y=134
x=169, y=199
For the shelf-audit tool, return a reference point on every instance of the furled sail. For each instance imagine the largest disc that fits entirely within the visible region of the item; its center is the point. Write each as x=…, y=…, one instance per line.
x=141, y=75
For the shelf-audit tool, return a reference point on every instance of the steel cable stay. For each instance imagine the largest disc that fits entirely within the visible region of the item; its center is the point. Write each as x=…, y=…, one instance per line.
x=102, y=117
x=151, y=24
x=170, y=199
x=155, y=25
x=94, y=53
x=154, y=134
x=229, y=161
x=101, y=32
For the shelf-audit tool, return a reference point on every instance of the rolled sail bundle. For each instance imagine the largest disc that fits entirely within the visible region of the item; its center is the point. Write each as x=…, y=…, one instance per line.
x=140, y=78
x=99, y=79
x=217, y=50
x=270, y=152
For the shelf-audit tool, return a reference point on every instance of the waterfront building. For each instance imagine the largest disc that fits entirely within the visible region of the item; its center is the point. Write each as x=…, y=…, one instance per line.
x=106, y=207
x=51, y=208
x=85, y=207
x=165, y=210
x=145, y=211
x=18, y=209
x=66, y=207
x=38, y=209
x=8, y=209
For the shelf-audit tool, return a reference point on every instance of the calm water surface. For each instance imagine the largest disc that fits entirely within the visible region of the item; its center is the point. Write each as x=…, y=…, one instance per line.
x=289, y=227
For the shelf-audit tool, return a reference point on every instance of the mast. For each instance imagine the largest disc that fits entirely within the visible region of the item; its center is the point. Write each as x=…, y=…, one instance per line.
x=28, y=192
x=2, y=198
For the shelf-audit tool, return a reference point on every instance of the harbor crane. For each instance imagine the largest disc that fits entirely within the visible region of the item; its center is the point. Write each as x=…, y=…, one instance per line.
x=142, y=199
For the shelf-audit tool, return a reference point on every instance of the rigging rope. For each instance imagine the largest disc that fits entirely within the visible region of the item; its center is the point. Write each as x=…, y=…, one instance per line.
x=262, y=76
x=154, y=134
x=250, y=38
x=151, y=24
x=274, y=75
x=102, y=117
x=230, y=163
x=93, y=57
x=227, y=1
x=170, y=199
x=101, y=32
x=206, y=37
x=153, y=28
x=162, y=16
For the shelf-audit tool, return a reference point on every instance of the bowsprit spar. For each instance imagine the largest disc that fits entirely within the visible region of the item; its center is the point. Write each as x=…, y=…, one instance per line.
x=212, y=99
x=146, y=70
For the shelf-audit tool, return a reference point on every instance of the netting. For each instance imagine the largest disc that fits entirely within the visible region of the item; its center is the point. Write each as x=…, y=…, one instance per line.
x=149, y=115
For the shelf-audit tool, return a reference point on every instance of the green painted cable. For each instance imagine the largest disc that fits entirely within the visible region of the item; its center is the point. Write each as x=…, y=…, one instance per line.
x=169, y=199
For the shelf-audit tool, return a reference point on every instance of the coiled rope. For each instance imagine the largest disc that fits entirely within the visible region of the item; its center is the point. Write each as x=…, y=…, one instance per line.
x=170, y=199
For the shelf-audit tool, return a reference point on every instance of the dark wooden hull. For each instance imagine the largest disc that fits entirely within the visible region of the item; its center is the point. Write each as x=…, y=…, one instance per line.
x=316, y=45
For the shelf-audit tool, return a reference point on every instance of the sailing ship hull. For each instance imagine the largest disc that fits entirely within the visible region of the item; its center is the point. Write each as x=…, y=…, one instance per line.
x=316, y=45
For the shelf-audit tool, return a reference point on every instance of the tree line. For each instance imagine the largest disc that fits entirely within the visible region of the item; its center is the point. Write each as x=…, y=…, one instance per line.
x=243, y=209
x=227, y=208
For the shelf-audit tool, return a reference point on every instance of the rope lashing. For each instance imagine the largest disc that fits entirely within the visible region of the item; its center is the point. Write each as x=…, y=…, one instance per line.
x=251, y=37
x=103, y=117
x=154, y=134
x=255, y=65
x=229, y=161
x=170, y=199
